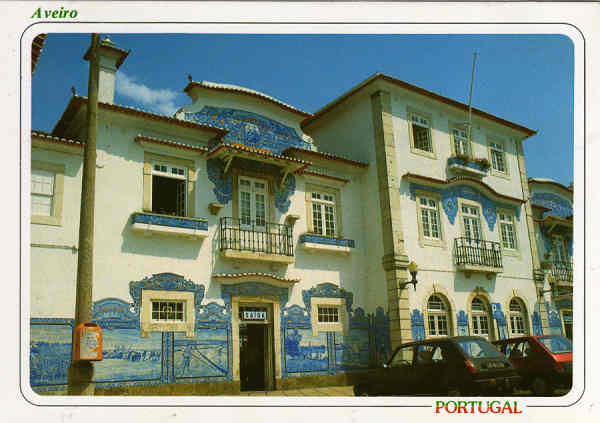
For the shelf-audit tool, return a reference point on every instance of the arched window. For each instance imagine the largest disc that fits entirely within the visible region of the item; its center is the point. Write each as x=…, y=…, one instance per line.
x=518, y=318
x=437, y=316
x=480, y=318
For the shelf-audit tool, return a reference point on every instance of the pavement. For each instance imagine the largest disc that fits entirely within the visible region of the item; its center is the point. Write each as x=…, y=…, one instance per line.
x=328, y=391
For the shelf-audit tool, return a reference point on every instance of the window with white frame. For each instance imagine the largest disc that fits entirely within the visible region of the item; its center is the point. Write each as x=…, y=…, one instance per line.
x=169, y=189
x=559, y=252
x=430, y=218
x=437, y=316
x=480, y=318
x=420, y=128
x=462, y=145
x=324, y=218
x=42, y=192
x=168, y=311
x=328, y=314
x=507, y=230
x=517, y=317
x=497, y=156
x=471, y=222
x=253, y=195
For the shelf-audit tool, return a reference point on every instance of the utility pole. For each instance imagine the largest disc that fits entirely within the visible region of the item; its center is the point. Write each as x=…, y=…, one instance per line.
x=80, y=376
x=471, y=97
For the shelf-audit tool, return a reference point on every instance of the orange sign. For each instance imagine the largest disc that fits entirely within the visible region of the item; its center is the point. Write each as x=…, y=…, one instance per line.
x=88, y=342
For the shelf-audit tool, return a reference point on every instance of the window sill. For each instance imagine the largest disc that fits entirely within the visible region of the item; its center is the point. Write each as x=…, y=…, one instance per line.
x=187, y=227
x=499, y=174
x=314, y=242
x=511, y=253
x=474, y=268
x=432, y=243
x=256, y=256
x=46, y=220
x=466, y=170
x=428, y=154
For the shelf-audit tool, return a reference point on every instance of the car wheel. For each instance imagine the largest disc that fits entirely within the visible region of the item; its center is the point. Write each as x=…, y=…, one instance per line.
x=361, y=391
x=539, y=386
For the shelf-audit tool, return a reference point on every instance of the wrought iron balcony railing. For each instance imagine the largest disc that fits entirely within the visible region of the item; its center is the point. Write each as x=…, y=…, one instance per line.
x=256, y=237
x=562, y=271
x=478, y=252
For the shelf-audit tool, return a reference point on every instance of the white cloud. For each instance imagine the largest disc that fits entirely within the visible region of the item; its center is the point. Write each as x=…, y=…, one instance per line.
x=160, y=101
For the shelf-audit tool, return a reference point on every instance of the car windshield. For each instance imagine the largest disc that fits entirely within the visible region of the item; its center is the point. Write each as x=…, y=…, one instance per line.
x=557, y=344
x=478, y=348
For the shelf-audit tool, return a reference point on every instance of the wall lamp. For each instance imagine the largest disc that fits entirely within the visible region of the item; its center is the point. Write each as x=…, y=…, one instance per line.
x=413, y=270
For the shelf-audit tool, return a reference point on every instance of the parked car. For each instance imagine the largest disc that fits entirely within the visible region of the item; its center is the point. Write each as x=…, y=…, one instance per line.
x=461, y=365
x=543, y=362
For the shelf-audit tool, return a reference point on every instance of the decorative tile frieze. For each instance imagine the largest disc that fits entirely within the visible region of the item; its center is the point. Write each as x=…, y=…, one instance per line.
x=255, y=289
x=114, y=312
x=327, y=290
x=249, y=128
x=327, y=240
x=169, y=225
x=417, y=324
x=450, y=198
x=558, y=206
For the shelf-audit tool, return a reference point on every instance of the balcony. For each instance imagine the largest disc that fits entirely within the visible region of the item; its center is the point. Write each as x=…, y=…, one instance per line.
x=259, y=241
x=562, y=272
x=476, y=255
x=465, y=165
x=159, y=224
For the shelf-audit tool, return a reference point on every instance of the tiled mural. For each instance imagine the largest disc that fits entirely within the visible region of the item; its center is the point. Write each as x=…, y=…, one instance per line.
x=160, y=358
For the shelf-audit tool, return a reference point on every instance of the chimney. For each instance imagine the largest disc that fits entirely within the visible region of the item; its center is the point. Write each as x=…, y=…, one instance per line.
x=110, y=57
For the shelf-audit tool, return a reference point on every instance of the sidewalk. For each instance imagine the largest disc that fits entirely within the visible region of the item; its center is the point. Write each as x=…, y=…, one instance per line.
x=329, y=391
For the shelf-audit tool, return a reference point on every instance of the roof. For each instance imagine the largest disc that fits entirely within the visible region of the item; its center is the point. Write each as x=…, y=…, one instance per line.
x=243, y=90
x=174, y=144
x=36, y=50
x=549, y=181
x=324, y=155
x=50, y=138
x=402, y=84
x=77, y=101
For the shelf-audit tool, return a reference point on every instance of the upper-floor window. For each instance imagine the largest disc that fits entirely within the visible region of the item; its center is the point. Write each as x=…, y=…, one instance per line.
x=169, y=189
x=430, y=220
x=559, y=252
x=323, y=210
x=42, y=192
x=47, y=182
x=462, y=145
x=498, y=157
x=507, y=231
x=420, y=132
x=471, y=222
x=253, y=195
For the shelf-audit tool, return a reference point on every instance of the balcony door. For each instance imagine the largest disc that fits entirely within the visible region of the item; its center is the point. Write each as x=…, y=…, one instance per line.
x=253, y=196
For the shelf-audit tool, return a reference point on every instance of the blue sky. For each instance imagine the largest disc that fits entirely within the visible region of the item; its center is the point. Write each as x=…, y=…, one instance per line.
x=527, y=79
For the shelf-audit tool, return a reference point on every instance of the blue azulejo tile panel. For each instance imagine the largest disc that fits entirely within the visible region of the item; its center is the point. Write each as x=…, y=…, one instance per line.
x=170, y=221
x=249, y=128
x=128, y=357
x=319, y=239
x=204, y=355
x=305, y=352
x=50, y=354
x=558, y=206
x=381, y=326
x=352, y=350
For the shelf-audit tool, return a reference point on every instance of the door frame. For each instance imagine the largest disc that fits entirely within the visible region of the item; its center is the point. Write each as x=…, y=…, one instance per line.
x=241, y=300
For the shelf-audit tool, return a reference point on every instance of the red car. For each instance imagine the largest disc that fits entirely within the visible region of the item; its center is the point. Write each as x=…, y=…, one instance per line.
x=544, y=362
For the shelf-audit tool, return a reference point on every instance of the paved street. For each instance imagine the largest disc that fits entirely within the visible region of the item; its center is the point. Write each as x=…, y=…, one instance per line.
x=330, y=391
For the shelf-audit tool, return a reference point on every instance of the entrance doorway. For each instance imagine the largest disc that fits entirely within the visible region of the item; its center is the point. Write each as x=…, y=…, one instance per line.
x=256, y=348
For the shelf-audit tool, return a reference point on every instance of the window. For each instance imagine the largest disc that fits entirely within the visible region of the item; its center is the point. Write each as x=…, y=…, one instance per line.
x=328, y=315
x=507, y=231
x=420, y=132
x=471, y=222
x=323, y=210
x=430, y=222
x=47, y=184
x=403, y=357
x=497, y=156
x=168, y=311
x=168, y=189
x=253, y=194
x=42, y=192
x=517, y=317
x=462, y=145
x=437, y=316
x=323, y=213
x=480, y=318
x=559, y=252
x=168, y=185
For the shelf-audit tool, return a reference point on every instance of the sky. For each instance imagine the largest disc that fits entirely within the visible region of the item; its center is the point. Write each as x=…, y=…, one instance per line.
x=526, y=79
